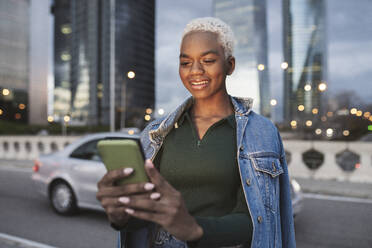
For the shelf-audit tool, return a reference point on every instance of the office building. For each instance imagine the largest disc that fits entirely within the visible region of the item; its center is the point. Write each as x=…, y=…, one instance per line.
x=304, y=41
x=251, y=77
x=14, y=60
x=99, y=41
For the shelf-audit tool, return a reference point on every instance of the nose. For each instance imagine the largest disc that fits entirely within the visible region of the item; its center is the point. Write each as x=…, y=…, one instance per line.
x=197, y=68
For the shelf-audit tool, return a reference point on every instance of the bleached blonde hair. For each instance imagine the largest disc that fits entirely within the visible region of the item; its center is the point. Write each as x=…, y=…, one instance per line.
x=214, y=25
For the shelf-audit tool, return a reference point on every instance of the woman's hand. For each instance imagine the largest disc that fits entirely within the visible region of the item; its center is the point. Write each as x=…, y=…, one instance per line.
x=111, y=196
x=164, y=207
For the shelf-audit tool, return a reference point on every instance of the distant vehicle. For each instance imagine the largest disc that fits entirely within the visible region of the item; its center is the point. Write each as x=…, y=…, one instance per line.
x=69, y=178
x=296, y=196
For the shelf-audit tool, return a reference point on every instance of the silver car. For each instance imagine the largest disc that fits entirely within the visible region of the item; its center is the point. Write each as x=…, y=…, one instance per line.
x=68, y=178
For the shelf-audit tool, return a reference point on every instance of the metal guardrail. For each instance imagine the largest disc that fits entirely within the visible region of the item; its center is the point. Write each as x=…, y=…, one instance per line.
x=341, y=161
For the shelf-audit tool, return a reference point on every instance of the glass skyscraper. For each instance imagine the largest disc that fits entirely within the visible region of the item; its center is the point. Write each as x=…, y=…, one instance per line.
x=14, y=59
x=82, y=82
x=305, y=55
x=247, y=19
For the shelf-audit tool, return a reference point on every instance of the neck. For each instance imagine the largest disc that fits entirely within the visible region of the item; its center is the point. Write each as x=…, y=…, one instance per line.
x=220, y=105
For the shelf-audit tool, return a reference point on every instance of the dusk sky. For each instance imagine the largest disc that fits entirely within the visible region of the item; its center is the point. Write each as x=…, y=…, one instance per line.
x=349, y=35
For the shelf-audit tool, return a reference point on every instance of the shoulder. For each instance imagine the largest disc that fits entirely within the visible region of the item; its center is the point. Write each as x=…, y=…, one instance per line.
x=261, y=123
x=263, y=133
x=151, y=126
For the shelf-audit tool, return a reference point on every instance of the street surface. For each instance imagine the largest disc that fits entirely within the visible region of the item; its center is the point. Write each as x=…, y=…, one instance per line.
x=322, y=222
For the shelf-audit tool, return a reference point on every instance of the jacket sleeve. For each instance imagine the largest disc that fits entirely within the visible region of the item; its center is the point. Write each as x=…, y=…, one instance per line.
x=286, y=213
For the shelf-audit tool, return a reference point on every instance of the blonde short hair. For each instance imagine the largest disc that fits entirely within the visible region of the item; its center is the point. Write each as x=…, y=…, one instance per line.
x=214, y=25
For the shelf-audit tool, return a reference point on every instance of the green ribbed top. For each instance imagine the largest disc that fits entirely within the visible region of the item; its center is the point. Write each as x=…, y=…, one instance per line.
x=207, y=175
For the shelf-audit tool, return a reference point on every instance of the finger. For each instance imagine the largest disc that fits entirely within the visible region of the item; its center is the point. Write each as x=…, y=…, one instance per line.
x=145, y=204
x=161, y=184
x=115, y=202
x=111, y=176
x=144, y=215
x=122, y=190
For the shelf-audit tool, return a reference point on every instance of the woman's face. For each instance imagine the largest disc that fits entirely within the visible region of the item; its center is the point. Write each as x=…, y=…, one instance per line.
x=203, y=67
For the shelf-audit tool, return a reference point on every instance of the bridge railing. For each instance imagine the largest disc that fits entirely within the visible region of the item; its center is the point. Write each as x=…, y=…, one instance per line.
x=342, y=161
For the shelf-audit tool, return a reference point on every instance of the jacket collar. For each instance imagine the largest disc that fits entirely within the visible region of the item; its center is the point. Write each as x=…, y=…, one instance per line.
x=242, y=106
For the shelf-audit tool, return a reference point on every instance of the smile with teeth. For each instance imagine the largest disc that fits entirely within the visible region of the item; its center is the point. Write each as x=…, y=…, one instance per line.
x=199, y=83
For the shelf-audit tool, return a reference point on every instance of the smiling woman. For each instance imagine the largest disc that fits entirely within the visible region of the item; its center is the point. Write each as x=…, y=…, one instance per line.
x=218, y=176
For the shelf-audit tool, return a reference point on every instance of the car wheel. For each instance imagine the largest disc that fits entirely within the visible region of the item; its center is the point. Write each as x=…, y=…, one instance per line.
x=63, y=199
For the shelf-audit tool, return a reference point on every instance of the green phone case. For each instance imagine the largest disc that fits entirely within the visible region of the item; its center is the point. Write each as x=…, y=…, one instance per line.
x=121, y=153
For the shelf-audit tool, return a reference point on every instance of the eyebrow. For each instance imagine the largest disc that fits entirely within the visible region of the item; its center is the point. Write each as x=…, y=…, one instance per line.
x=184, y=55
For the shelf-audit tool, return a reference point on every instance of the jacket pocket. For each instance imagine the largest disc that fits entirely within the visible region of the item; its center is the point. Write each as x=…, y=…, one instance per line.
x=267, y=170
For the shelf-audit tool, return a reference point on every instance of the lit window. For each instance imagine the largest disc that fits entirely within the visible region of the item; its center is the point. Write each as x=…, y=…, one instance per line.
x=149, y=111
x=21, y=106
x=66, y=29
x=65, y=56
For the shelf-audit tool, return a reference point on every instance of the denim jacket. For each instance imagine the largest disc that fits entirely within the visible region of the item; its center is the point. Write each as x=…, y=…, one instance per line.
x=262, y=167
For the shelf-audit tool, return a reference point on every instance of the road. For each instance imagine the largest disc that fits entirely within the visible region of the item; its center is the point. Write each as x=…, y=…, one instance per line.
x=322, y=223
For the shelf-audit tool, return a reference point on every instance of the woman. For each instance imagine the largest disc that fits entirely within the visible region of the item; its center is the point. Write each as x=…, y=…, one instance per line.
x=217, y=169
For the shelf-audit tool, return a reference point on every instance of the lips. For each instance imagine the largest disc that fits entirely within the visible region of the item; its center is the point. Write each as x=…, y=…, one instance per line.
x=199, y=82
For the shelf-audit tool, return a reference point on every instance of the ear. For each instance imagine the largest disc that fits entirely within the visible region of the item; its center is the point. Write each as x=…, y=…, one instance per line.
x=230, y=64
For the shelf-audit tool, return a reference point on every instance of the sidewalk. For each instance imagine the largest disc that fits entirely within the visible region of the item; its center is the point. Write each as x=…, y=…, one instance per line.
x=336, y=188
x=8, y=241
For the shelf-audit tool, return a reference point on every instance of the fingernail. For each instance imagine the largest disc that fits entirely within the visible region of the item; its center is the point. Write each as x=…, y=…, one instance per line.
x=149, y=186
x=129, y=211
x=127, y=171
x=155, y=196
x=124, y=199
x=149, y=163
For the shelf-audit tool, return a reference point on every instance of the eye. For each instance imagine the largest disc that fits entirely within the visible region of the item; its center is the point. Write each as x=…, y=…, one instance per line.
x=184, y=63
x=209, y=61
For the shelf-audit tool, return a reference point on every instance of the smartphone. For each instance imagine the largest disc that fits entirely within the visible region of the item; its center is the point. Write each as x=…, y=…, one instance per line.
x=121, y=153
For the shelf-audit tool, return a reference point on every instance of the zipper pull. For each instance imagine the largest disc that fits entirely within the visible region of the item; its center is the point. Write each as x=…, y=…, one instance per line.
x=198, y=143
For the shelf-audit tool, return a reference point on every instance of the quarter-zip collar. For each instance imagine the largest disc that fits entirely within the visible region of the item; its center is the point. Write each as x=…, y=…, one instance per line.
x=242, y=106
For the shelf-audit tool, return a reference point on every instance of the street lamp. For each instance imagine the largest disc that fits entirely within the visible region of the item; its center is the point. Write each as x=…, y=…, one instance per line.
x=6, y=92
x=130, y=75
x=50, y=119
x=284, y=65
x=66, y=119
x=273, y=103
x=322, y=86
x=161, y=111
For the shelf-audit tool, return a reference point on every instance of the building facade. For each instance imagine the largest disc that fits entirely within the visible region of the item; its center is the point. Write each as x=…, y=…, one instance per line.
x=14, y=60
x=101, y=42
x=304, y=34
x=247, y=19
